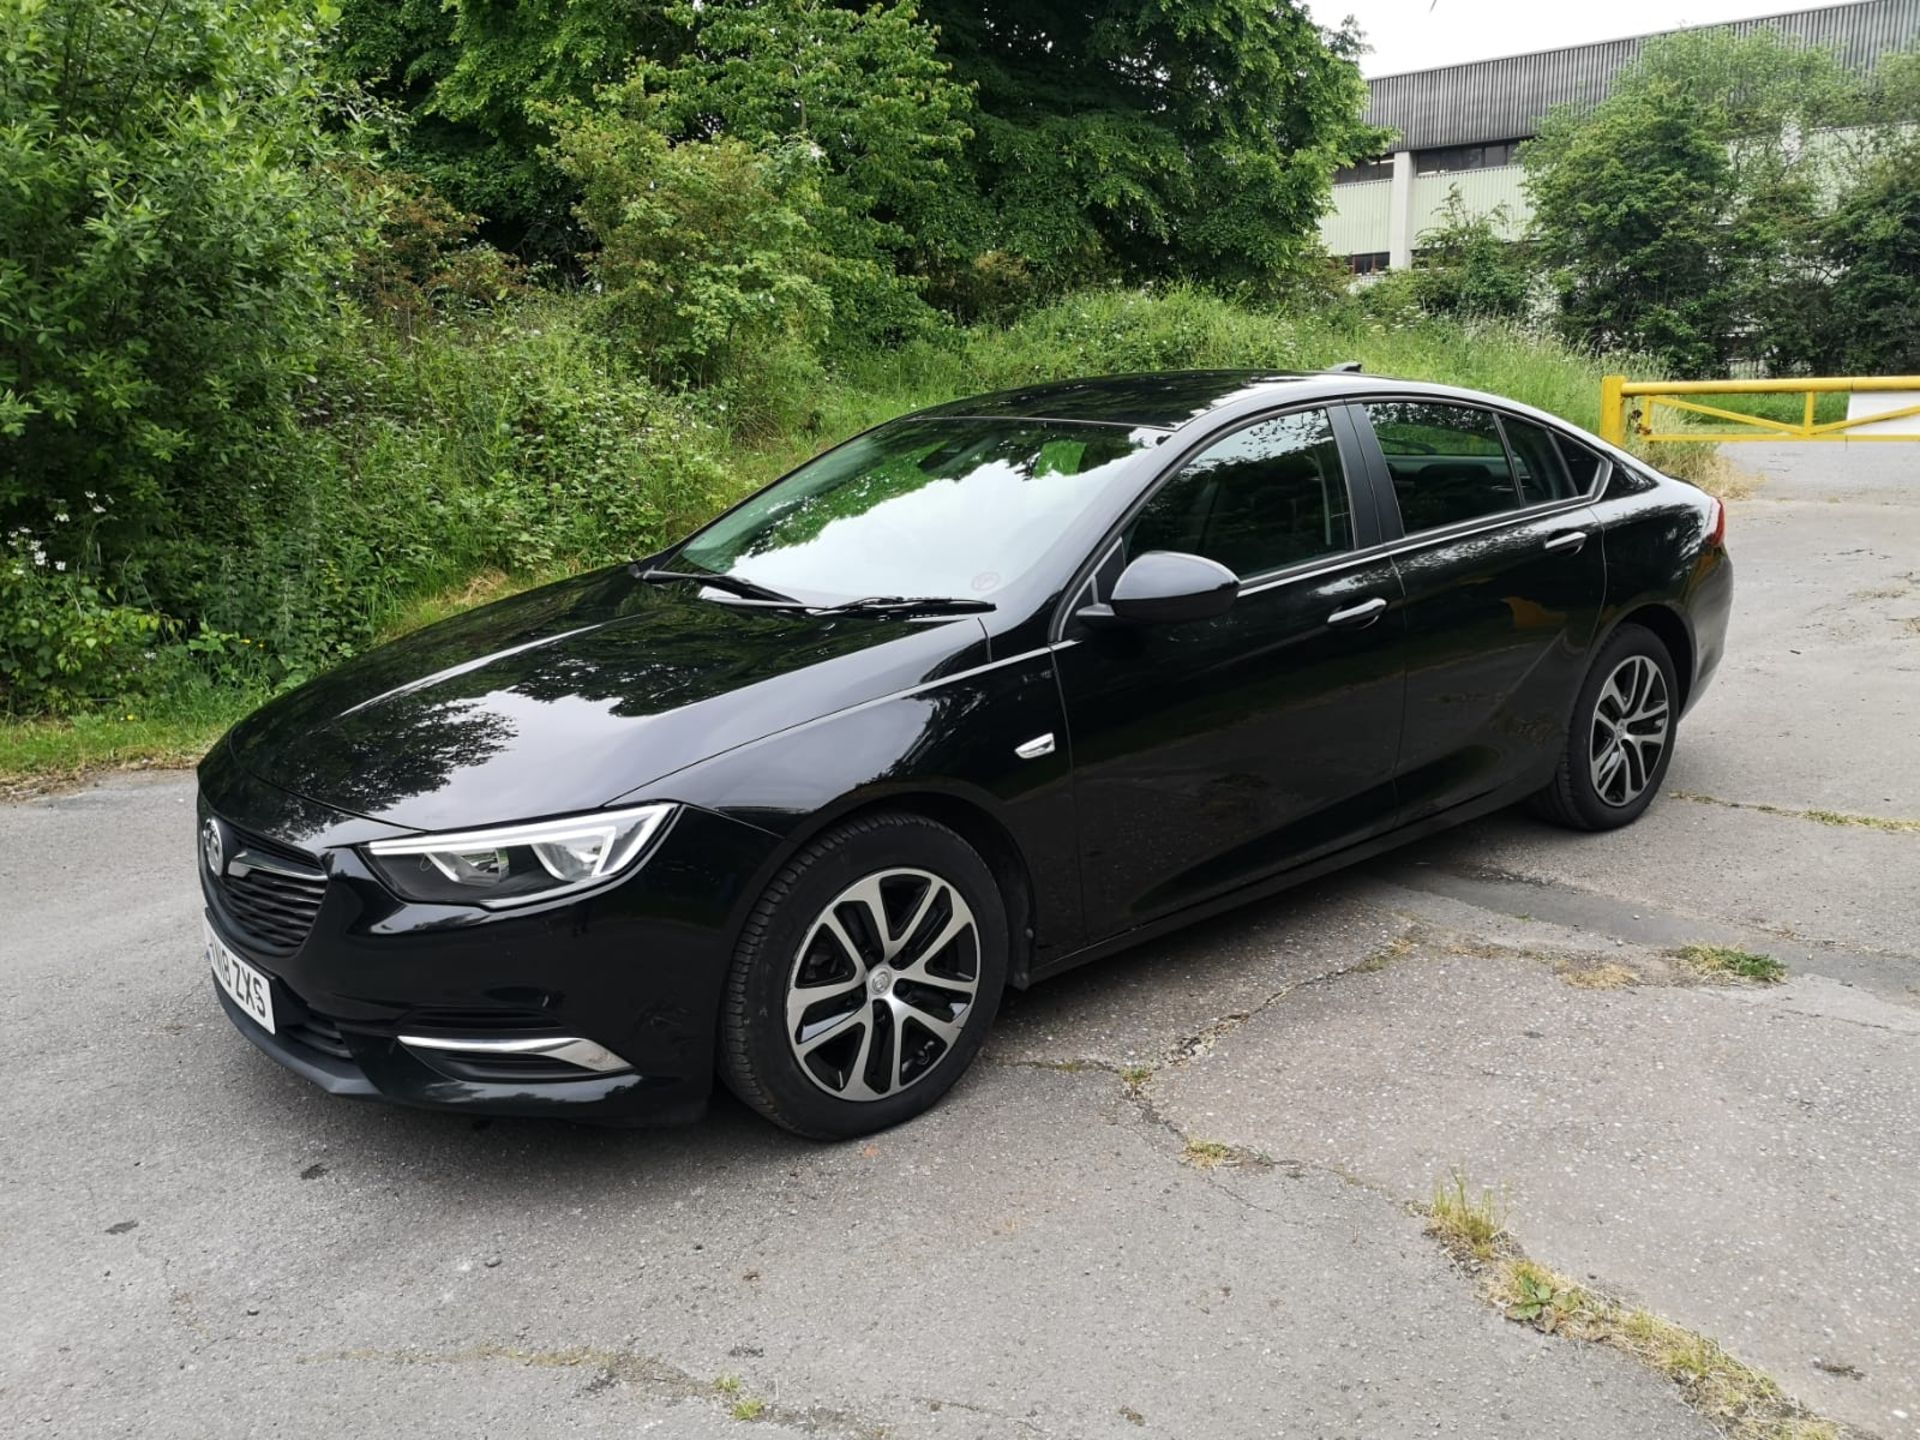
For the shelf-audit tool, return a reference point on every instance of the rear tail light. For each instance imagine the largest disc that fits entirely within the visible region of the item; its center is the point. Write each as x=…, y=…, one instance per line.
x=1717, y=525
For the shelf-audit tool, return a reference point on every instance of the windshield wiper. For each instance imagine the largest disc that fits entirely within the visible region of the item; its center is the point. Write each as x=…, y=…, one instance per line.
x=916, y=604
x=732, y=584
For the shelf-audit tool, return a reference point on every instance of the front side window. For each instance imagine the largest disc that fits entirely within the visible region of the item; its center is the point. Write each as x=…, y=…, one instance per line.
x=1538, y=465
x=1270, y=495
x=1447, y=462
x=923, y=507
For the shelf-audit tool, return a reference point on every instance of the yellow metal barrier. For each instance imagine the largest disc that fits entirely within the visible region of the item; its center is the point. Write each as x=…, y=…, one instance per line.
x=1617, y=394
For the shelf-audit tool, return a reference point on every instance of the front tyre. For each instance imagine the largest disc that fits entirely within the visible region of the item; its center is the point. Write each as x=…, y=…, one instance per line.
x=1621, y=738
x=865, y=979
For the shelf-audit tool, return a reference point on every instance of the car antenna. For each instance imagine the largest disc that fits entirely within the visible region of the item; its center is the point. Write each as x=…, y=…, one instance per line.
x=1345, y=367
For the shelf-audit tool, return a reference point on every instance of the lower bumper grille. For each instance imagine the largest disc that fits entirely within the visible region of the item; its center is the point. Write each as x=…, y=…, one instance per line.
x=317, y=1032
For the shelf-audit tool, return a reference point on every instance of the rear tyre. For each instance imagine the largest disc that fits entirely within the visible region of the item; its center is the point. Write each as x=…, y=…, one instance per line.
x=1621, y=737
x=865, y=979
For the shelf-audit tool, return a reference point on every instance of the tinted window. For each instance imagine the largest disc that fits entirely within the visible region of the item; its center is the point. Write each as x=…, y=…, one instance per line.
x=1537, y=463
x=1582, y=464
x=1447, y=462
x=918, y=507
x=1270, y=495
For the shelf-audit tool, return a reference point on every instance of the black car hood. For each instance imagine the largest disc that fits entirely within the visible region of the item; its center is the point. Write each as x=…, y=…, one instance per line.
x=569, y=696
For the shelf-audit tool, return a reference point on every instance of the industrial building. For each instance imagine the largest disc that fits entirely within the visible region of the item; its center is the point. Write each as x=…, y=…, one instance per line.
x=1462, y=125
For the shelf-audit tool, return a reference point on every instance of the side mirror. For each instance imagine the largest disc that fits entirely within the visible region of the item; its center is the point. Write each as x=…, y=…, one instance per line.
x=1164, y=587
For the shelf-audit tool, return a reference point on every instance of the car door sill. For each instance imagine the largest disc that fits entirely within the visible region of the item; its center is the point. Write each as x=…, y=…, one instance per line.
x=1287, y=879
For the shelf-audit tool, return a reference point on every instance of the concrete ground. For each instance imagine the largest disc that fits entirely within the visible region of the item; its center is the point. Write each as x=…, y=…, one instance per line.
x=194, y=1243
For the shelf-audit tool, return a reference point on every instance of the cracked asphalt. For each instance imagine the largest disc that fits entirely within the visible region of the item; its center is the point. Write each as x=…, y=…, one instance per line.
x=194, y=1243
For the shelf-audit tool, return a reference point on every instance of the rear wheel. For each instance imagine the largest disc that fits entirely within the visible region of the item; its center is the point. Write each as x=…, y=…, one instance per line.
x=1621, y=738
x=865, y=979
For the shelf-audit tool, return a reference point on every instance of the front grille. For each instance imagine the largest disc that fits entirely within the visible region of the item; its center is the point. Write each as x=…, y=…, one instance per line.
x=271, y=893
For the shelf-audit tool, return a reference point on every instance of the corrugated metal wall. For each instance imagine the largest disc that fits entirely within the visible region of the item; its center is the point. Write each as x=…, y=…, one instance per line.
x=1504, y=99
x=1481, y=191
x=1357, y=223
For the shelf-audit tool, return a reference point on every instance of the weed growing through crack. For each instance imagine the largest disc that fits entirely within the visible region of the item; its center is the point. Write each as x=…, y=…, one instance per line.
x=1741, y=1401
x=1532, y=1293
x=727, y=1385
x=748, y=1407
x=1207, y=1154
x=1729, y=962
x=1606, y=975
x=1134, y=1076
x=1467, y=1225
x=1894, y=825
x=1395, y=949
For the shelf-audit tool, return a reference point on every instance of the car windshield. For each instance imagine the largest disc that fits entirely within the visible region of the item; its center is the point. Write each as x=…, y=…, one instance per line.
x=922, y=507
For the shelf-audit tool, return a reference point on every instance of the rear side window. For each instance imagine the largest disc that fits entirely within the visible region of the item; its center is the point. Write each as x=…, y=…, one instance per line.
x=1583, y=465
x=1271, y=495
x=1537, y=462
x=1447, y=462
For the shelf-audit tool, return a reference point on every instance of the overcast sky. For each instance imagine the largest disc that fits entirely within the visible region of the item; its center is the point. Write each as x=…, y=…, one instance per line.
x=1420, y=34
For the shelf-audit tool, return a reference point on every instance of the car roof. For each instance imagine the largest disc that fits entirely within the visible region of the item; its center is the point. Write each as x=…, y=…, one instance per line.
x=1163, y=400
x=1169, y=399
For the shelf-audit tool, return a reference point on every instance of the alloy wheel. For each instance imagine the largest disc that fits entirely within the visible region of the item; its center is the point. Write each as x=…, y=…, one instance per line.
x=882, y=984
x=1630, y=725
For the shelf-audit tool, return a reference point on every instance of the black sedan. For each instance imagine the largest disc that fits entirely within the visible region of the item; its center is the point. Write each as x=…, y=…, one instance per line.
x=986, y=692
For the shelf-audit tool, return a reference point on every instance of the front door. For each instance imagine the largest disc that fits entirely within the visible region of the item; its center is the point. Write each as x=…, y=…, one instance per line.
x=1209, y=754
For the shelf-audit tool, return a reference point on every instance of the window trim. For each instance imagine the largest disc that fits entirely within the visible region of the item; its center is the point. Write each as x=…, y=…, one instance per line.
x=1371, y=474
x=1363, y=503
x=1389, y=500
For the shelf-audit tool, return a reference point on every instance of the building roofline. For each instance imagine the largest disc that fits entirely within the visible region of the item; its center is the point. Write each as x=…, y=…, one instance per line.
x=1603, y=40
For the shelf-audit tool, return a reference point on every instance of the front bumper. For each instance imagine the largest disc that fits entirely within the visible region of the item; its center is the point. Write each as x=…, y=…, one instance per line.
x=486, y=998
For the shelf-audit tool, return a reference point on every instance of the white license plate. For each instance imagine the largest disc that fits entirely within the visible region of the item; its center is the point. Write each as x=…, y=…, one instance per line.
x=249, y=989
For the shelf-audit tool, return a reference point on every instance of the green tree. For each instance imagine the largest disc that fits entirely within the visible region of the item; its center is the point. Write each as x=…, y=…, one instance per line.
x=864, y=92
x=1673, y=217
x=170, y=237
x=1464, y=266
x=1866, y=319
x=1860, y=304
x=1145, y=139
x=471, y=78
x=707, y=252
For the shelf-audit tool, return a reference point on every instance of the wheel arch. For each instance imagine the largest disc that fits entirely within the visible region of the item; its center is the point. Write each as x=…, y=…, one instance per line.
x=974, y=823
x=1673, y=631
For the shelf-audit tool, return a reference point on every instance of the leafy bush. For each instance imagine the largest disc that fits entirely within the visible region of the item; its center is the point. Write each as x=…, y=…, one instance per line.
x=169, y=239
x=422, y=256
x=708, y=253
x=518, y=442
x=1465, y=267
x=64, y=644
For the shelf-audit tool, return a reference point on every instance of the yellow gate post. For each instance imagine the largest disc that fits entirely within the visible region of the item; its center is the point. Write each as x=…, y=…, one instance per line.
x=1613, y=410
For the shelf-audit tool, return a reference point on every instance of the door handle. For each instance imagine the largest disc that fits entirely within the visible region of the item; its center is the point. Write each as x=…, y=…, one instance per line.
x=1361, y=615
x=1569, y=542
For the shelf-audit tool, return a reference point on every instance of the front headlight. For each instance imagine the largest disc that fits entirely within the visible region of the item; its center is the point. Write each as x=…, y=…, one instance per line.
x=516, y=864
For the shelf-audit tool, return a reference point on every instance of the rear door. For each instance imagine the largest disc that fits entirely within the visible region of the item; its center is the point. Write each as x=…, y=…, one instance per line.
x=1210, y=754
x=1504, y=577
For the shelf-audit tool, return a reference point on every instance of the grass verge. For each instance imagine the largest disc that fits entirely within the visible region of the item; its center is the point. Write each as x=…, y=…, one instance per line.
x=171, y=732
